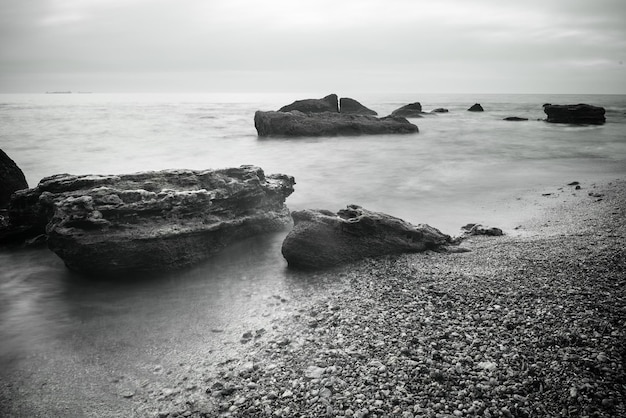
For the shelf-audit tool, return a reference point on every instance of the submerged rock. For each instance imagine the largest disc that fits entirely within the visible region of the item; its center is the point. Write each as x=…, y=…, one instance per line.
x=515, y=119
x=321, y=238
x=440, y=110
x=296, y=124
x=350, y=106
x=152, y=220
x=11, y=179
x=326, y=104
x=412, y=110
x=476, y=107
x=583, y=114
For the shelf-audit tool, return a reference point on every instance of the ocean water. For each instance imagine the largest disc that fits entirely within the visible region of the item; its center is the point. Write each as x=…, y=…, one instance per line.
x=60, y=330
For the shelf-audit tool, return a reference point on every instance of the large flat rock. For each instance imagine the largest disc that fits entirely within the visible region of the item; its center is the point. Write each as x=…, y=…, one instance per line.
x=152, y=220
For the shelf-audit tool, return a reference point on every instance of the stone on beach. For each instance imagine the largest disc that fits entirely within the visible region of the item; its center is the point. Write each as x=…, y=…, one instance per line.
x=322, y=239
x=297, y=124
x=11, y=179
x=155, y=220
x=583, y=114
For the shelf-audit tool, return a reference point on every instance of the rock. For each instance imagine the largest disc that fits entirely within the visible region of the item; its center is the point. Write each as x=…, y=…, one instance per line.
x=412, y=110
x=577, y=114
x=152, y=220
x=326, y=104
x=321, y=238
x=11, y=179
x=476, y=107
x=296, y=124
x=352, y=107
x=477, y=229
x=439, y=110
x=515, y=119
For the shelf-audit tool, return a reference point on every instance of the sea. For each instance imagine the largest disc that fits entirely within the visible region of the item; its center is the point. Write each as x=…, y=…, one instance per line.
x=73, y=345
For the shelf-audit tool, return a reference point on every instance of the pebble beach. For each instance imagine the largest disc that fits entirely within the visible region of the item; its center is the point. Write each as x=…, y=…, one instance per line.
x=530, y=324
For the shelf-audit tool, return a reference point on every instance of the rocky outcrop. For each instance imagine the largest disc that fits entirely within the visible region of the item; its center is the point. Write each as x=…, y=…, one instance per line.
x=476, y=107
x=515, y=119
x=582, y=114
x=439, y=110
x=327, y=104
x=298, y=124
x=350, y=106
x=412, y=110
x=152, y=220
x=11, y=179
x=322, y=239
x=478, y=229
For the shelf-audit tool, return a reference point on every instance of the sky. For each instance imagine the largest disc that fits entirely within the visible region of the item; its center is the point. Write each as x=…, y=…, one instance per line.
x=430, y=46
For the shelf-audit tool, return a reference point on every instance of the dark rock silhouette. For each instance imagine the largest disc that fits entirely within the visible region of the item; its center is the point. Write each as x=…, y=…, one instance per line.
x=515, y=119
x=11, y=179
x=297, y=124
x=152, y=220
x=476, y=107
x=327, y=104
x=322, y=239
x=439, y=110
x=583, y=114
x=412, y=110
x=350, y=106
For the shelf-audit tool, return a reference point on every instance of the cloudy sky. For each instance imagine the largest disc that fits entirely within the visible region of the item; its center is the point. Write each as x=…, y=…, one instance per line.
x=430, y=46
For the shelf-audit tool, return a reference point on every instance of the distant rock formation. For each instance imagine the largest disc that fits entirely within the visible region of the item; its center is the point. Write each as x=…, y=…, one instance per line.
x=322, y=239
x=350, y=106
x=582, y=114
x=297, y=124
x=476, y=107
x=515, y=119
x=412, y=110
x=327, y=104
x=11, y=179
x=439, y=110
x=152, y=221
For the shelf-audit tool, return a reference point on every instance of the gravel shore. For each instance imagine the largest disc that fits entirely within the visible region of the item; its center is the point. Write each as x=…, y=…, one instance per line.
x=530, y=324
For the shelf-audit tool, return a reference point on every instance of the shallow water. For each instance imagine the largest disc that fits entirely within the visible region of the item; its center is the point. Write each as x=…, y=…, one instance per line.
x=61, y=327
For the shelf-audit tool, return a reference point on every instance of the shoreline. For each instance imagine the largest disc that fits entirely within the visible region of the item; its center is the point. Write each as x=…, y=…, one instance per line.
x=523, y=325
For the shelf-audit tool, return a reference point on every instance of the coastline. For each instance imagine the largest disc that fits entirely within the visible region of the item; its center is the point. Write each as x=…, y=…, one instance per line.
x=523, y=325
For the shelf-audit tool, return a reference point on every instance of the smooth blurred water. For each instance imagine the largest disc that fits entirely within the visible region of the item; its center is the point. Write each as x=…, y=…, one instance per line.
x=461, y=167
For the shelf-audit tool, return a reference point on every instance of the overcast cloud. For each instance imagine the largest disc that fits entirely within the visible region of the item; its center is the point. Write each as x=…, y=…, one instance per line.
x=488, y=46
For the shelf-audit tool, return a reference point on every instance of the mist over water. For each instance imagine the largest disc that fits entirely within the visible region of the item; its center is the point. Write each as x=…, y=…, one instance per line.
x=461, y=167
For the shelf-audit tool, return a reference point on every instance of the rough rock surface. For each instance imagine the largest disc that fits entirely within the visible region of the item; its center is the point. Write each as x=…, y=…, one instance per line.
x=350, y=106
x=11, y=179
x=152, y=220
x=326, y=104
x=321, y=238
x=576, y=114
x=296, y=123
x=476, y=107
x=412, y=110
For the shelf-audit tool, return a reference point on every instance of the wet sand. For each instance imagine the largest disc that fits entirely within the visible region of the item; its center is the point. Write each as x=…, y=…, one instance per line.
x=528, y=324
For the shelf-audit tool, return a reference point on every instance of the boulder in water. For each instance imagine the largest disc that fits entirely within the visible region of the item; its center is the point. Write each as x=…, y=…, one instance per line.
x=476, y=107
x=326, y=104
x=321, y=239
x=348, y=106
x=412, y=110
x=582, y=114
x=298, y=124
x=11, y=179
x=155, y=220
